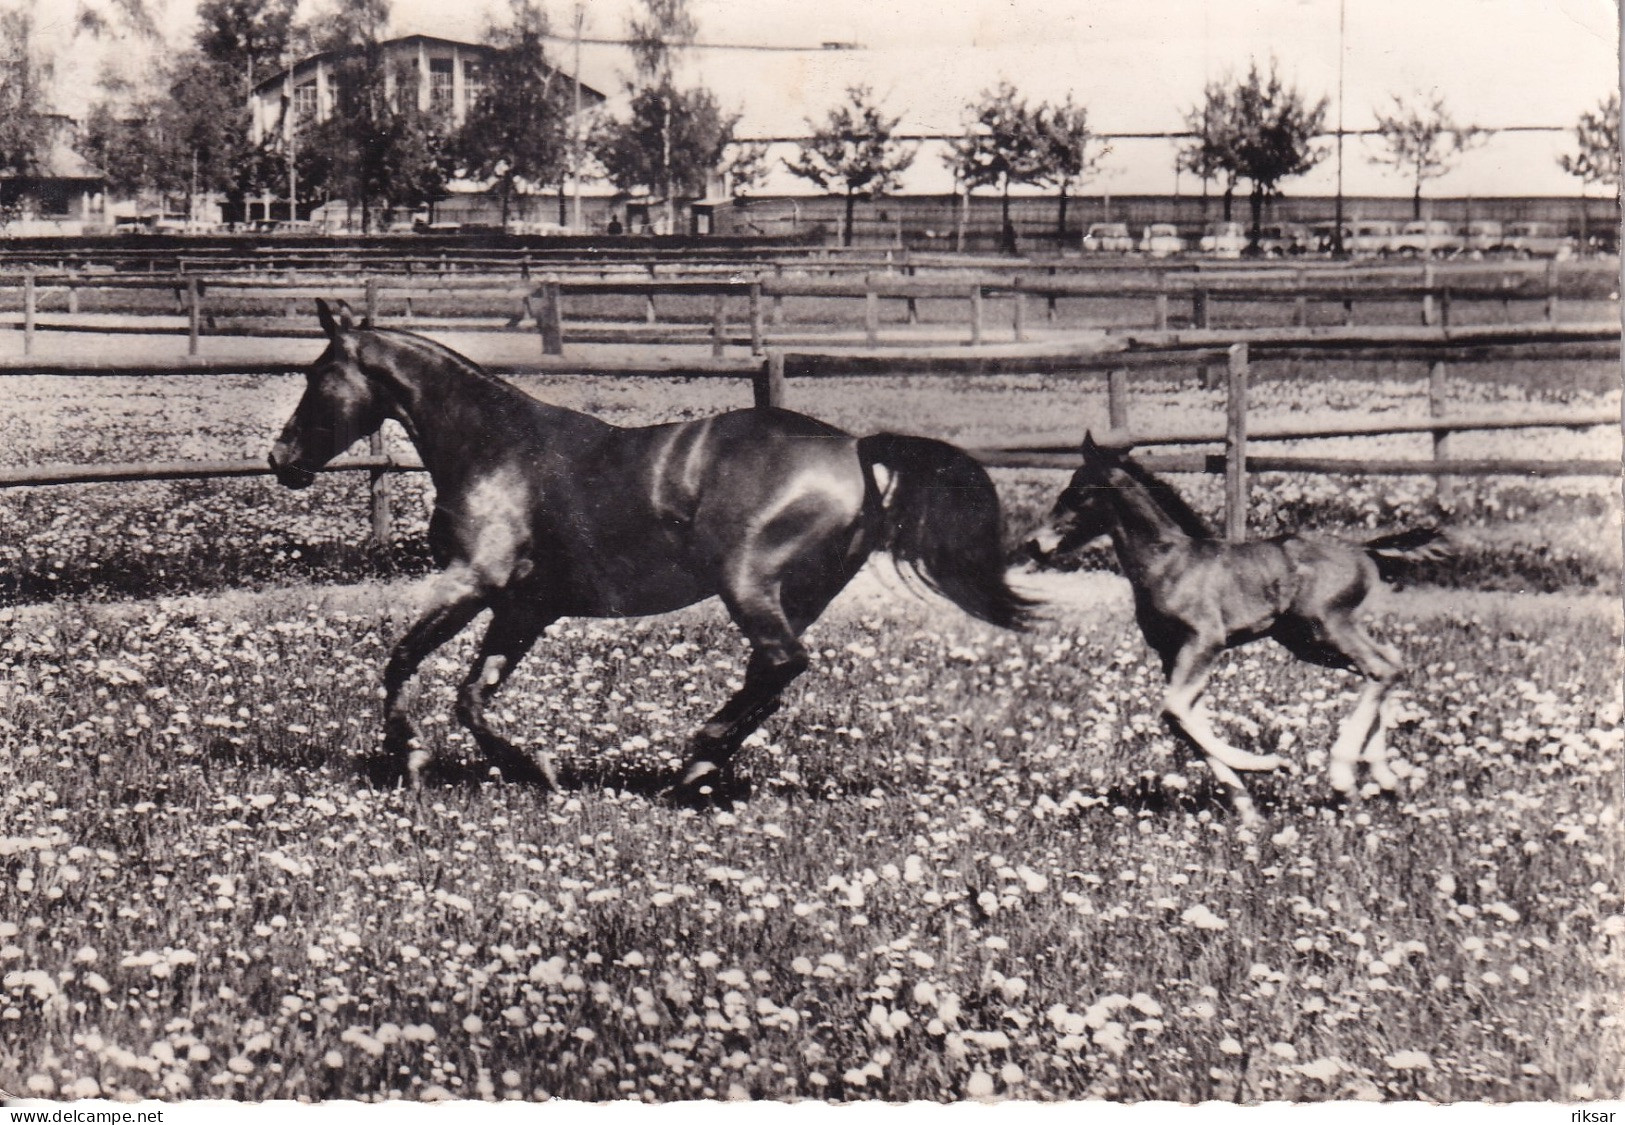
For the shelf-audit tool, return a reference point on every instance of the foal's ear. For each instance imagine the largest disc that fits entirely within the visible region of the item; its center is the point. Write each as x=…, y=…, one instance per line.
x=334, y=327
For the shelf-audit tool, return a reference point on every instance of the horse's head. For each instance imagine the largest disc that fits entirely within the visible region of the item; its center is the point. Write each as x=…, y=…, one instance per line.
x=1081, y=513
x=339, y=407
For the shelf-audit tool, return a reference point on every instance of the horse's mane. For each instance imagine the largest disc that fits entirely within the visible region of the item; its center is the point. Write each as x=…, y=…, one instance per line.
x=1170, y=501
x=426, y=347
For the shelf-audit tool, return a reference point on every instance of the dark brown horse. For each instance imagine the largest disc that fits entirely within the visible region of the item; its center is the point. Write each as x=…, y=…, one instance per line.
x=1195, y=596
x=542, y=513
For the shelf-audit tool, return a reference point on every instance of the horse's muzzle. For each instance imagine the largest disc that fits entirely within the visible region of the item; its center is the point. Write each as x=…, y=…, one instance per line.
x=290, y=475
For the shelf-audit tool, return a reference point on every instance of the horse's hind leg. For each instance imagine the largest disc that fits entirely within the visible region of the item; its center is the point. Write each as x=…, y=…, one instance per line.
x=1362, y=733
x=509, y=638
x=456, y=603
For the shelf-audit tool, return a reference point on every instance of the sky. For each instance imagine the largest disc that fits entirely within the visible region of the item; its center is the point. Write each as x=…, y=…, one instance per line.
x=1136, y=64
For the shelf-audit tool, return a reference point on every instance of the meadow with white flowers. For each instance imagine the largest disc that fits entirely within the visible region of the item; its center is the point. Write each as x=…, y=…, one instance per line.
x=972, y=864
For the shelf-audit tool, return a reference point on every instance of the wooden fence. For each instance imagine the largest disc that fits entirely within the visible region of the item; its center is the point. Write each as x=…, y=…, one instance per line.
x=771, y=387
x=544, y=303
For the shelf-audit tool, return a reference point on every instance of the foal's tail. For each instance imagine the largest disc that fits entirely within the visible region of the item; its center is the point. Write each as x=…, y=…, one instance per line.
x=941, y=517
x=1419, y=544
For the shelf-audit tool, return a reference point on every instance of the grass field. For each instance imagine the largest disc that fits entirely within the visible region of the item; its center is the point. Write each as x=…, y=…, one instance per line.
x=973, y=865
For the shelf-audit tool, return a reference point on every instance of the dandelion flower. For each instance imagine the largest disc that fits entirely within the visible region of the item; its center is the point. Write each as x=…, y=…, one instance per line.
x=1409, y=1060
x=979, y=1085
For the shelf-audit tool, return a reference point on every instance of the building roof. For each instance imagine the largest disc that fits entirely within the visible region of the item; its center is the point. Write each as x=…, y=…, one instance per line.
x=276, y=80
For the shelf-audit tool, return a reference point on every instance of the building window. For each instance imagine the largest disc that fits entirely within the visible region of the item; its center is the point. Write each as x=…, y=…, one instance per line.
x=440, y=85
x=304, y=101
x=473, y=82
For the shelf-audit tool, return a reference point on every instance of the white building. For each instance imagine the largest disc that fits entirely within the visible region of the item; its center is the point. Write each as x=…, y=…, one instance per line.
x=448, y=77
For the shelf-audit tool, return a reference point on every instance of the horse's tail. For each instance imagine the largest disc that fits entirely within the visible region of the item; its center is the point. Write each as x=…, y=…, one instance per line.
x=1418, y=544
x=940, y=515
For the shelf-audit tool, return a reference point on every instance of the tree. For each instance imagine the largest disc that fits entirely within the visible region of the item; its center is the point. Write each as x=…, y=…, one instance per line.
x=1597, y=161
x=1421, y=140
x=1210, y=153
x=1068, y=152
x=519, y=129
x=670, y=144
x=1001, y=147
x=673, y=139
x=249, y=38
x=745, y=167
x=25, y=128
x=1262, y=130
x=854, y=148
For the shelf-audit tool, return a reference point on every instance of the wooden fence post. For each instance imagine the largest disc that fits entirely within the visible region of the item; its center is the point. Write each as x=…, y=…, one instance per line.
x=30, y=299
x=382, y=517
x=1437, y=408
x=372, y=301
x=1199, y=315
x=1117, y=398
x=290, y=306
x=719, y=326
x=1018, y=317
x=73, y=298
x=194, y=314
x=1551, y=291
x=976, y=314
x=1162, y=301
x=768, y=383
x=1300, y=304
x=550, y=320
x=871, y=311
x=1430, y=315
x=778, y=298
x=756, y=317
x=1235, y=447
x=912, y=310
x=649, y=316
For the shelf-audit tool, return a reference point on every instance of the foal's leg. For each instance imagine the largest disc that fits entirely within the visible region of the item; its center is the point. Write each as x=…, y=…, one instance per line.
x=513, y=630
x=456, y=600
x=1362, y=733
x=1186, y=679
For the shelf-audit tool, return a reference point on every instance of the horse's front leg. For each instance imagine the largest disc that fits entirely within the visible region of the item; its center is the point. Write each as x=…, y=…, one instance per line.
x=1187, y=677
x=513, y=630
x=455, y=599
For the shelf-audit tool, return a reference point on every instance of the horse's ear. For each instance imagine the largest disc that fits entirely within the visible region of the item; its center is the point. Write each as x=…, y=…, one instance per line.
x=333, y=325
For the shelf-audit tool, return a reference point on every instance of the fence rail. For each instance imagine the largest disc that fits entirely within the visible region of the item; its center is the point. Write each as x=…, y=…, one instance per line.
x=544, y=303
x=770, y=388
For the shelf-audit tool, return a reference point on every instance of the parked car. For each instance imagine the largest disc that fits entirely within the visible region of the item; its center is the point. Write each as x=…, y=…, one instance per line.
x=1162, y=239
x=1224, y=240
x=1484, y=236
x=1369, y=238
x=1282, y=240
x=1426, y=238
x=1538, y=240
x=1108, y=238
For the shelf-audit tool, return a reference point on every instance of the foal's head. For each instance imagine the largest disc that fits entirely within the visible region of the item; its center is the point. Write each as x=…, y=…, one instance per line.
x=340, y=405
x=1083, y=511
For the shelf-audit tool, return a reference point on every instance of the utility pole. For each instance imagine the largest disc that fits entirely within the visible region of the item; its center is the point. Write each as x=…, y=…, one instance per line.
x=575, y=138
x=293, y=165
x=1337, y=215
